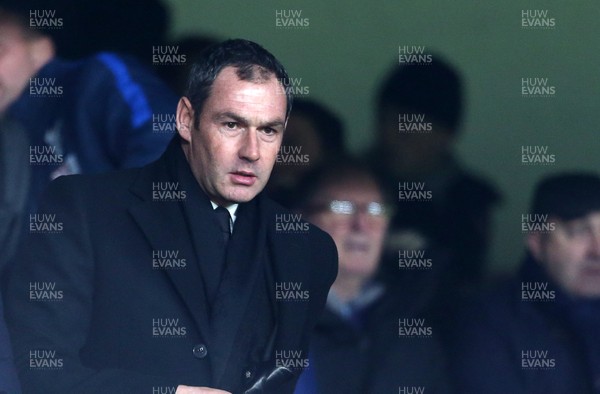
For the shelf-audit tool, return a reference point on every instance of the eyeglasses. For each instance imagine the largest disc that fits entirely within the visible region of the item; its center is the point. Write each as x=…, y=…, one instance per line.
x=349, y=208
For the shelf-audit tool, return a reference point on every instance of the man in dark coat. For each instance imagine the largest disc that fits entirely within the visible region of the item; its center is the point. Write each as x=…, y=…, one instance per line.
x=180, y=275
x=538, y=332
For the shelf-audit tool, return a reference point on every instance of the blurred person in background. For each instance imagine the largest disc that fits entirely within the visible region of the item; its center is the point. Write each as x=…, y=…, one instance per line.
x=89, y=116
x=442, y=208
x=361, y=344
x=538, y=332
x=315, y=135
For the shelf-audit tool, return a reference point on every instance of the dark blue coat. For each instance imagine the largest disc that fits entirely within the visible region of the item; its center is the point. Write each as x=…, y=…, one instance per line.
x=368, y=355
x=520, y=341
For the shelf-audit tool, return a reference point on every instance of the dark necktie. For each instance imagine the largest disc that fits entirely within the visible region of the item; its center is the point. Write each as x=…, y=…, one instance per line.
x=223, y=218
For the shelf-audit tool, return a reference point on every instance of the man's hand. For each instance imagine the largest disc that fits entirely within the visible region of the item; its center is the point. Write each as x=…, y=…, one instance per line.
x=198, y=390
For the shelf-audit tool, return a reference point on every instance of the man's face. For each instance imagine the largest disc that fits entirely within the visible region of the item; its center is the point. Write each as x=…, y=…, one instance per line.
x=240, y=129
x=359, y=237
x=571, y=254
x=17, y=63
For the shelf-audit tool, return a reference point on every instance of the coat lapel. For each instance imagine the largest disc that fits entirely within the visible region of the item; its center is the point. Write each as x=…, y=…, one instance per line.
x=165, y=228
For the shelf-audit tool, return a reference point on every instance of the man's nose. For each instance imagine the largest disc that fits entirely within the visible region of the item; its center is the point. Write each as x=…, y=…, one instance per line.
x=360, y=220
x=249, y=149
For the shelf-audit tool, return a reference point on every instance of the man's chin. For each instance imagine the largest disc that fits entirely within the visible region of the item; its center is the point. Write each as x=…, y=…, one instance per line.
x=242, y=194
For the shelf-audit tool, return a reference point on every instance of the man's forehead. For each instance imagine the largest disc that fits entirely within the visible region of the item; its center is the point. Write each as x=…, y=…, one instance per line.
x=229, y=91
x=359, y=188
x=230, y=77
x=253, y=74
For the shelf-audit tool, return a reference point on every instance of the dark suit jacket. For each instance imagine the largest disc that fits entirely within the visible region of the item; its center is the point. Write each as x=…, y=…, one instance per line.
x=503, y=343
x=369, y=345
x=89, y=314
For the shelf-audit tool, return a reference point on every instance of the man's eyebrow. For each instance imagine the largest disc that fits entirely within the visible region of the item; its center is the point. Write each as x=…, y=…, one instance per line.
x=230, y=115
x=274, y=123
x=240, y=119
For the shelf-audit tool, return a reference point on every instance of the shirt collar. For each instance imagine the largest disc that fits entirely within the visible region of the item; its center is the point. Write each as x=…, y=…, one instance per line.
x=232, y=208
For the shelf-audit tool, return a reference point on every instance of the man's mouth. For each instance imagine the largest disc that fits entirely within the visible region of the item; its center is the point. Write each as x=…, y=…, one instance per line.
x=246, y=178
x=591, y=270
x=356, y=246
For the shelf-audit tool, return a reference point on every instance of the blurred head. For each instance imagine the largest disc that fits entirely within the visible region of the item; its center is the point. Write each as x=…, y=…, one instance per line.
x=570, y=253
x=312, y=130
x=192, y=46
x=23, y=51
x=418, y=113
x=346, y=201
x=232, y=120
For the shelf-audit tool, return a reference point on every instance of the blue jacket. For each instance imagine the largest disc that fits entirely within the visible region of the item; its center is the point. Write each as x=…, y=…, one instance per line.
x=99, y=114
x=519, y=338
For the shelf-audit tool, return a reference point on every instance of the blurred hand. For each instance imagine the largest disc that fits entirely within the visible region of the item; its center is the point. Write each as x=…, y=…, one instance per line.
x=198, y=390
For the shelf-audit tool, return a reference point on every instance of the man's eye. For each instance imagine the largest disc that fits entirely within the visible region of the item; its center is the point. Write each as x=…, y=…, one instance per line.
x=230, y=125
x=270, y=131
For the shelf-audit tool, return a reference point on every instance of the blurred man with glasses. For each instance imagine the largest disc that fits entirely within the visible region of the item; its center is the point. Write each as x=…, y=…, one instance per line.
x=356, y=347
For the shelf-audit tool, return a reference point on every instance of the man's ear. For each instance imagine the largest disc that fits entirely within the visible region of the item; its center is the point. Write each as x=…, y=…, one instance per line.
x=534, y=244
x=185, y=119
